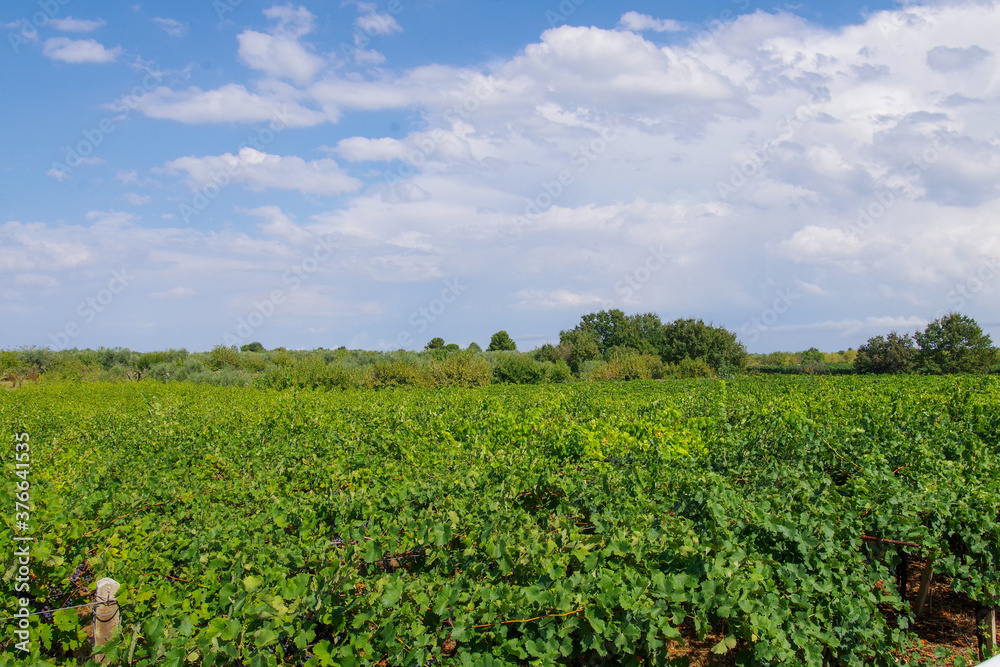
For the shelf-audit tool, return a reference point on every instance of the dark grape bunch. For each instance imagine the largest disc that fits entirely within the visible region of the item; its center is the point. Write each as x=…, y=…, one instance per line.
x=81, y=573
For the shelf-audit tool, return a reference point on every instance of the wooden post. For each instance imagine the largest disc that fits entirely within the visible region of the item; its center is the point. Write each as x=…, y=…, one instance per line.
x=991, y=632
x=925, y=587
x=106, y=616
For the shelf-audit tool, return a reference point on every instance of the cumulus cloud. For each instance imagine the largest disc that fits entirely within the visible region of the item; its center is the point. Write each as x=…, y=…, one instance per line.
x=279, y=53
x=373, y=23
x=230, y=103
x=260, y=171
x=948, y=59
x=70, y=24
x=136, y=199
x=172, y=27
x=700, y=177
x=79, y=50
x=639, y=22
x=559, y=298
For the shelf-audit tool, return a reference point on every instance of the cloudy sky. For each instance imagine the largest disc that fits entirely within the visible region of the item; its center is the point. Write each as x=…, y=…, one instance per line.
x=375, y=174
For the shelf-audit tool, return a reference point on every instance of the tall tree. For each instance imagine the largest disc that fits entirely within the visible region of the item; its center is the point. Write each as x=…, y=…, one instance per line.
x=886, y=354
x=501, y=342
x=693, y=339
x=954, y=344
x=614, y=329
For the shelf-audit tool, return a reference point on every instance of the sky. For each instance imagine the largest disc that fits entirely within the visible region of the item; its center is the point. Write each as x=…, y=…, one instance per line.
x=377, y=174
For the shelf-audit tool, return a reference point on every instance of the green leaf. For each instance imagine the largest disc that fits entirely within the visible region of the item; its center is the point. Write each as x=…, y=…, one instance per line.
x=252, y=583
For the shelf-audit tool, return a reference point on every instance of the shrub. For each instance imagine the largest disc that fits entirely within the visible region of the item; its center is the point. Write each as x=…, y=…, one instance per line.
x=514, y=368
x=689, y=368
x=460, y=370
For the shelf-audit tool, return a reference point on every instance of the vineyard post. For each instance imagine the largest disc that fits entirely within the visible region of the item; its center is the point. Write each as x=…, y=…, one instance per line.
x=925, y=586
x=987, y=639
x=991, y=631
x=106, y=616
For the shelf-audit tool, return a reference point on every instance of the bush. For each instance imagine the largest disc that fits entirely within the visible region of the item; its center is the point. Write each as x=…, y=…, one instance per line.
x=460, y=370
x=588, y=368
x=627, y=364
x=222, y=356
x=689, y=368
x=229, y=377
x=514, y=368
x=559, y=371
x=387, y=374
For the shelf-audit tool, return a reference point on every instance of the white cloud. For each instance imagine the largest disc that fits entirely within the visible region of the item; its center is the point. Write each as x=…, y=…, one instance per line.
x=373, y=23
x=293, y=21
x=948, y=59
x=281, y=57
x=560, y=298
x=361, y=149
x=639, y=22
x=136, y=199
x=70, y=24
x=57, y=174
x=79, y=50
x=585, y=170
x=280, y=226
x=230, y=103
x=279, y=53
x=172, y=27
x=259, y=171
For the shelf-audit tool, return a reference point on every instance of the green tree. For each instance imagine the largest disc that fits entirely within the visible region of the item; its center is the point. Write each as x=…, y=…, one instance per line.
x=954, y=344
x=812, y=356
x=581, y=345
x=501, y=342
x=886, y=354
x=614, y=329
x=252, y=347
x=693, y=339
x=435, y=344
x=474, y=347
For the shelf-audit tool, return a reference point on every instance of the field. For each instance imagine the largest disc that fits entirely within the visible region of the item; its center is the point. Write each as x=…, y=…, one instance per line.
x=677, y=522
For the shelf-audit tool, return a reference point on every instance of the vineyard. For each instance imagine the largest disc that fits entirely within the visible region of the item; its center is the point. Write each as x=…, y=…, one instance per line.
x=753, y=521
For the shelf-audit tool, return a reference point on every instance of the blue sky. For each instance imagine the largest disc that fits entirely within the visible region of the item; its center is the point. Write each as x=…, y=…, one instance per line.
x=375, y=174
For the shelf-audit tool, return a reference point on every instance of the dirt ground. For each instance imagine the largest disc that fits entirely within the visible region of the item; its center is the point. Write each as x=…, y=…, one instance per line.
x=948, y=623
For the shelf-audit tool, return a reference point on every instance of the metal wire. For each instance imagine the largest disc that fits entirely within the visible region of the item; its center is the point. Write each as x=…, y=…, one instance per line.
x=52, y=611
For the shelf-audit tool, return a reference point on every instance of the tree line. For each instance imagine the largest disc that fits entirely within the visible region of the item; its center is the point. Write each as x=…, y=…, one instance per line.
x=606, y=345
